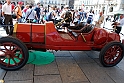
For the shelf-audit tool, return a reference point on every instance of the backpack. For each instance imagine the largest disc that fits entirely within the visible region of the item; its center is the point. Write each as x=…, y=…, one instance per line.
x=69, y=16
x=49, y=16
x=14, y=16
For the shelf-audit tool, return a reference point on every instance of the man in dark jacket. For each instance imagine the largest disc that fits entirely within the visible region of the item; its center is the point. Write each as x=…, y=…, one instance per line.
x=38, y=11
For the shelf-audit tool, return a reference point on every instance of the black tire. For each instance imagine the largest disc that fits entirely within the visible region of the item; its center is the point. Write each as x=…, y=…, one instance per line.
x=111, y=54
x=15, y=54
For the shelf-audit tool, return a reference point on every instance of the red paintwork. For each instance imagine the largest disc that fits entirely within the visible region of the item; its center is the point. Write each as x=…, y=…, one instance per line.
x=47, y=37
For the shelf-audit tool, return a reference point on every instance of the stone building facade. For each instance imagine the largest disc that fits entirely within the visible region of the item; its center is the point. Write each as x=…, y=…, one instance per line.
x=105, y=6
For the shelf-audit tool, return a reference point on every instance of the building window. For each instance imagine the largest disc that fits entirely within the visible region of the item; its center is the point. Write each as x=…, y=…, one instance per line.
x=111, y=9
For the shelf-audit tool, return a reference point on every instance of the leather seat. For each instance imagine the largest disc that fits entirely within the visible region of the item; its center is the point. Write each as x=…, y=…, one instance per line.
x=87, y=29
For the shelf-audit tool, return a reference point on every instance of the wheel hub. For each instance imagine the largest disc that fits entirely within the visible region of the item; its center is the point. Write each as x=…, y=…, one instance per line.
x=9, y=54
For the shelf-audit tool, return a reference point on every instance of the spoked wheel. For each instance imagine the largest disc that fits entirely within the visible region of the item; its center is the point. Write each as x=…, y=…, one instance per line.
x=111, y=54
x=13, y=54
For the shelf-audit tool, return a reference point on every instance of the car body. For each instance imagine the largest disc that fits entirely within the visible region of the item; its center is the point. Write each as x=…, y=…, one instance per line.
x=47, y=36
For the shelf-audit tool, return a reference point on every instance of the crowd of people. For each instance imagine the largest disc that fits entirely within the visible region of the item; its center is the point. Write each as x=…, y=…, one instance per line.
x=39, y=14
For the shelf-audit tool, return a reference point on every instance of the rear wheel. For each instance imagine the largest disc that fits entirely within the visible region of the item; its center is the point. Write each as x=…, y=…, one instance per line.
x=111, y=54
x=13, y=54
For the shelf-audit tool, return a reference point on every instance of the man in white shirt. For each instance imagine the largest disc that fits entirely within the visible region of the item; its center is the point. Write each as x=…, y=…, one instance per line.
x=7, y=13
x=119, y=24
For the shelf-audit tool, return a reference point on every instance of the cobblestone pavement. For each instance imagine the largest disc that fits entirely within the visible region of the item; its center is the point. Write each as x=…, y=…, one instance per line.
x=68, y=67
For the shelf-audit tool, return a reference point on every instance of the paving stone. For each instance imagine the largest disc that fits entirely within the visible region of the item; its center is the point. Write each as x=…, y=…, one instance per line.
x=69, y=67
x=121, y=64
x=81, y=57
x=2, y=73
x=47, y=79
x=46, y=69
x=115, y=73
x=69, y=70
x=92, y=54
x=98, y=62
x=26, y=73
x=95, y=74
x=62, y=53
x=95, y=56
x=80, y=82
x=27, y=81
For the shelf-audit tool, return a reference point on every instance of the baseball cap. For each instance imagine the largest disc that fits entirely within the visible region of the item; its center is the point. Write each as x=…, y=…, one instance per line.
x=20, y=3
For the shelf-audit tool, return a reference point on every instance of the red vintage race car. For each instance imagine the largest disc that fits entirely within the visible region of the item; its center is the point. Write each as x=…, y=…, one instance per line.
x=46, y=36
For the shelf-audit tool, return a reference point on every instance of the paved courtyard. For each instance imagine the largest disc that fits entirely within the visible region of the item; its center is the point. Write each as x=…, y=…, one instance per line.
x=68, y=67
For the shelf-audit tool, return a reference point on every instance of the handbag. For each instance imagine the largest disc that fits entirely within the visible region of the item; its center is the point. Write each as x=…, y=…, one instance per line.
x=14, y=16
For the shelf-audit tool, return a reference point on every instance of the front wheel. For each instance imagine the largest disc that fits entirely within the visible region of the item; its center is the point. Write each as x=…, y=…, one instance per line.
x=111, y=54
x=13, y=54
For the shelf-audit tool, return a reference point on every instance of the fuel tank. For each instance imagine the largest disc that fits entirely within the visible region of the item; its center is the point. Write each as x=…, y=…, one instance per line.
x=102, y=36
x=30, y=33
